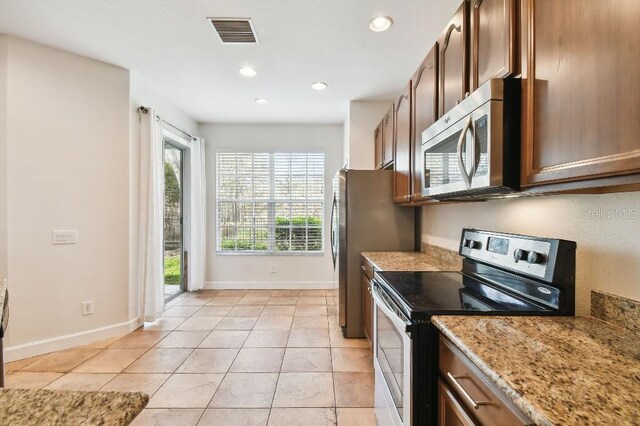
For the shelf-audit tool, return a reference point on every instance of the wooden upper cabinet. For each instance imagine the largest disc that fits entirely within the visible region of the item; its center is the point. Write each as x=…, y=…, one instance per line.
x=378, y=147
x=580, y=108
x=402, y=145
x=425, y=113
x=453, y=60
x=387, y=138
x=493, y=40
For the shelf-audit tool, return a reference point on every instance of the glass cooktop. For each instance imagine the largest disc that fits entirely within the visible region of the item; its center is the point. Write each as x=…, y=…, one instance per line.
x=422, y=294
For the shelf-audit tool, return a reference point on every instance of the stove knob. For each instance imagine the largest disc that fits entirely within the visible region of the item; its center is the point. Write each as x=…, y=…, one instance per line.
x=535, y=257
x=519, y=255
x=473, y=244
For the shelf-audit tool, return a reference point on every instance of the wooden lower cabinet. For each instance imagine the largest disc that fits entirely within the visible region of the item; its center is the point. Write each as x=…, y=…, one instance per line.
x=367, y=308
x=467, y=397
x=450, y=411
x=367, y=300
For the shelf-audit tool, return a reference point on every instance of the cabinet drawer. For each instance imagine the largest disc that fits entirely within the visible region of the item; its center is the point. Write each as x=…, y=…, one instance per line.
x=482, y=399
x=367, y=268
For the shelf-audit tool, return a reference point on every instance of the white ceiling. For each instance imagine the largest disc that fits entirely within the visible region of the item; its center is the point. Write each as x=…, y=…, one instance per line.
x=172, y=47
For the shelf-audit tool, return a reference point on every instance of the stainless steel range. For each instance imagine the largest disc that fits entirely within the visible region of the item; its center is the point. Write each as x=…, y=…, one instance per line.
x=502, y=274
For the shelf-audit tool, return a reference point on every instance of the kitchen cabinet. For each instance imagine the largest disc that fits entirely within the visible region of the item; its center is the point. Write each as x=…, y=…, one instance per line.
x=425, y=113
x=367, y=300
x=493, y=40
x=402, y=147
x=378, y=147
x=467, y=397
x=387, y=138
x=450, y=411
x=453, y=60
x=581, y=86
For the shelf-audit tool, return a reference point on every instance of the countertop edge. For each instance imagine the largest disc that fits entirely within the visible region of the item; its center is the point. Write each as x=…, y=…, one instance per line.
x=435, y=263
x=516, y=397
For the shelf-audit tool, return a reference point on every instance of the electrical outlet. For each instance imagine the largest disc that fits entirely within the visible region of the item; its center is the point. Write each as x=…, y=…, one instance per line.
x=87, y=307
x=273, y=269
x=64, y=237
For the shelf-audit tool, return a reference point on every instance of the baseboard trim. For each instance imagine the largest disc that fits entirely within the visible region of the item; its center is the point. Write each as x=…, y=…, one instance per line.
x=259, y=285
x=39, y=347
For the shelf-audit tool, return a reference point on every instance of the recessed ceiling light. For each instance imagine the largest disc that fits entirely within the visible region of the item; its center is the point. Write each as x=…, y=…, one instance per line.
x=380, y=23
x=247, y=72
x=262, y=101
x=319, y=85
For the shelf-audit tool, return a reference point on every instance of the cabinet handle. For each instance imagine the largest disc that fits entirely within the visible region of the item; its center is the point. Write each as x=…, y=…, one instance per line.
x=477, y=5
x=475, y=404
x=448, y=36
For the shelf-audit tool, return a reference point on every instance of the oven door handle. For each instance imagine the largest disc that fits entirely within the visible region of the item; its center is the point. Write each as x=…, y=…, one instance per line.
x=466, y=176
x=397, y=320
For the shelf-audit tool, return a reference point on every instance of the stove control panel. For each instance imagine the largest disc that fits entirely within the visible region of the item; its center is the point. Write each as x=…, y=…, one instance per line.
x=526, y=255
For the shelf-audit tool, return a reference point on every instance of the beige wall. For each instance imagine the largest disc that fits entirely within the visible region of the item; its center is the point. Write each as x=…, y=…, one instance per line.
x=608, y=256
x=362, y=119
x=255, y=271
x=3, y=156
x=68, y=158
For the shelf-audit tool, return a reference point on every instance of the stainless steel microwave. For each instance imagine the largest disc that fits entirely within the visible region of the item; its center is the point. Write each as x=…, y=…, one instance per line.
x=474, y=149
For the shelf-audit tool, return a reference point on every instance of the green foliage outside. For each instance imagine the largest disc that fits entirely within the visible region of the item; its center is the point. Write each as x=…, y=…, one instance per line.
x=172, y=270
x=286, y=229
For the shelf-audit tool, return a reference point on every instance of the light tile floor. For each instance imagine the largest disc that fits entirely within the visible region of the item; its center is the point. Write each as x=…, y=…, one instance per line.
x=228, y=357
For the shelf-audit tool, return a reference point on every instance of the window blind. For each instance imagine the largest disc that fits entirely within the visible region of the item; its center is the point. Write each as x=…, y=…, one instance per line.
x=270, y=202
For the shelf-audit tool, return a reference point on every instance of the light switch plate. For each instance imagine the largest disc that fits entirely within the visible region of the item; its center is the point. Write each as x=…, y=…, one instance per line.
x=64, y=237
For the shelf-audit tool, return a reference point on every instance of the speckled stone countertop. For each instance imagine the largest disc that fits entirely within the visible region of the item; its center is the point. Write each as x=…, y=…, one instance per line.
x=434, y=260
x=557, y=370
x=3, y=292
x=47, y=407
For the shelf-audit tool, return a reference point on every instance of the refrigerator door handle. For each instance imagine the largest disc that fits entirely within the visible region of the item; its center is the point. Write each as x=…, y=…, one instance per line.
x=333, y=232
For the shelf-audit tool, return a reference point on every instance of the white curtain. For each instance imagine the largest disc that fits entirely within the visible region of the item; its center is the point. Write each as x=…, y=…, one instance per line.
x=150, y=216
x=198, y=254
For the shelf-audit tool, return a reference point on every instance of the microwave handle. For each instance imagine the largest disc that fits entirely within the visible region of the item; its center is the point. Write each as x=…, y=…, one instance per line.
x=466, y=176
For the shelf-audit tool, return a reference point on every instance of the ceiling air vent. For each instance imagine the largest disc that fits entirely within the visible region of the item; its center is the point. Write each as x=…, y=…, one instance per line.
x=234, y=30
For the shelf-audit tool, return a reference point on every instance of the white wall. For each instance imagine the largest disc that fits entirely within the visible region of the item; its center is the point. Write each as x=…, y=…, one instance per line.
x=608, y=256
x=255, y=271
x=67, y=168
x=143, y=95
x=3, y=156
x=362, y=119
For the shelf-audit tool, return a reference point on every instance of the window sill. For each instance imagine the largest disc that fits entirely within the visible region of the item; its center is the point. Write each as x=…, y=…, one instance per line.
x=267, y=254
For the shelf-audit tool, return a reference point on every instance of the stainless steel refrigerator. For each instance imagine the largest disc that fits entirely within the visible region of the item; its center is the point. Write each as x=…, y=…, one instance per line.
x=363, y=218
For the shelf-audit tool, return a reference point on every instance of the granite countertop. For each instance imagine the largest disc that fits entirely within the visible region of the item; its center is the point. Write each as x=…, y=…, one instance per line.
x=3, y=292
x=47, y=407
x=441, y=260
x=557, y=370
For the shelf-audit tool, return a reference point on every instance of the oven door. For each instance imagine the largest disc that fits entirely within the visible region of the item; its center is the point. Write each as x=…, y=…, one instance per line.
x=392, y=361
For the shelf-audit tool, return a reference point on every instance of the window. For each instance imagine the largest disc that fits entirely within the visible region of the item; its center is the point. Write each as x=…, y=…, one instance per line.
x=270, y=202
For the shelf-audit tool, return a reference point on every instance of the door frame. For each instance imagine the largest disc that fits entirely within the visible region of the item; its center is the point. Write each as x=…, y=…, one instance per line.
x=182, y=144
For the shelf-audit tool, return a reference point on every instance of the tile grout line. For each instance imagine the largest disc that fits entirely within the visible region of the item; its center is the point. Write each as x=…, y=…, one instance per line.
x=273, y=398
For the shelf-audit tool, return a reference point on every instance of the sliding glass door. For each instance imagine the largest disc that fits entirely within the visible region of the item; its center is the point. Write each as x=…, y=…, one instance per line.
x=173, y=220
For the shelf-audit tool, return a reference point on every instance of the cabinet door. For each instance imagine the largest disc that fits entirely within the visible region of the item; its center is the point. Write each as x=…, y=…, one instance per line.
x=450, y=411
x=580, y=111
x=387, y=138
x=425, y=112
x=493, y=40
x=378, y=147
x=453, y=60
x=367, y=308
x=402, y=148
